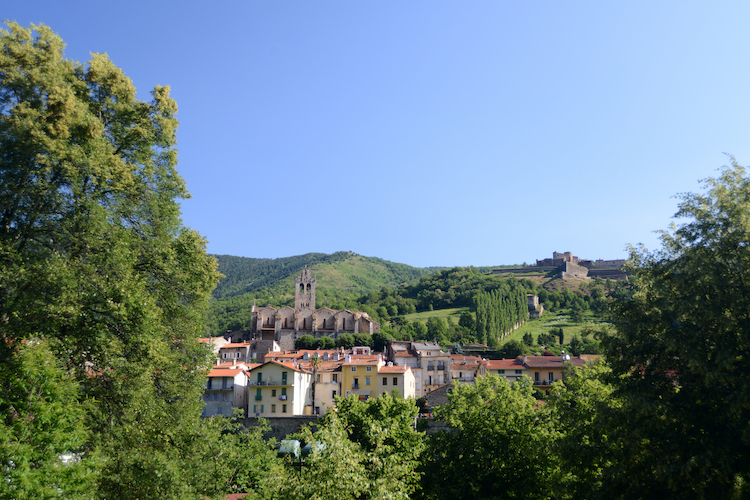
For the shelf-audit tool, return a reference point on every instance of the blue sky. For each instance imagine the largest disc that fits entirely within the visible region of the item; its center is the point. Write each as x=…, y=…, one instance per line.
x=432, y=133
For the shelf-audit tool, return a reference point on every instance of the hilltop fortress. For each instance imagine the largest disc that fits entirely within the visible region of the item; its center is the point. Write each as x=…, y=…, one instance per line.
x=567, y=265
x=287, y=324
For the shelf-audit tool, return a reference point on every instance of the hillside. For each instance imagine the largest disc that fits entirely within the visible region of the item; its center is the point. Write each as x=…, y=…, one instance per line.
x=345, y=272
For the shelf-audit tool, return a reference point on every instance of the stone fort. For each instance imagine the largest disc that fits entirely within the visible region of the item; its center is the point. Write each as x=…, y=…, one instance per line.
x=286, y=324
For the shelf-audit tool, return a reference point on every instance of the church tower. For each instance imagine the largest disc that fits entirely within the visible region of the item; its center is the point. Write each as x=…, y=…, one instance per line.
x=304, y=290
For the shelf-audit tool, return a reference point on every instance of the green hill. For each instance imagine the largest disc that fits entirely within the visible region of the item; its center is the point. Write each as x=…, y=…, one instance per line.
x=345, y=272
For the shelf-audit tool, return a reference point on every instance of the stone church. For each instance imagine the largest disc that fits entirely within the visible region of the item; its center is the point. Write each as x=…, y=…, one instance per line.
x=285, y=325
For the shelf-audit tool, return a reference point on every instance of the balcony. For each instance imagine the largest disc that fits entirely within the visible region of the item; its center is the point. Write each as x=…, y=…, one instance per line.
x=355, y=386
x=282, y=397
x=258, y=397
x=545, y=382
x=265, y=382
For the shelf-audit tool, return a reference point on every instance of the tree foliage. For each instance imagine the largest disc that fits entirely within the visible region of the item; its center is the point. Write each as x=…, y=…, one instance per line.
x=498, y=446
x=94, y=261
x=679, y=357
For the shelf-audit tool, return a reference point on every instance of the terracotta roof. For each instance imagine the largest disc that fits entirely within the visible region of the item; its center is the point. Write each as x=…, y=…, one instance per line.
x=224, y=372
x=393, y=369
x=240, y=344
x=548, y=361
x=502, y=364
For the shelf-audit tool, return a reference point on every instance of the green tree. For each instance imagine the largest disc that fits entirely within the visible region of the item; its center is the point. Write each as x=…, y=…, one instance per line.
x=437, y=328
x=94, y=258
x=528, y=339
x=678, y=357
x=497, y=447
x=381, y=340
x=305, y=342
x=384, y=429
x=42, y=421
x=325, y=343
x=345, y=340
x=580, y=406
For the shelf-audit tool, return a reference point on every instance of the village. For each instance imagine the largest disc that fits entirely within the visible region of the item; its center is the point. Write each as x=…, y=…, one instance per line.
x=261, y=373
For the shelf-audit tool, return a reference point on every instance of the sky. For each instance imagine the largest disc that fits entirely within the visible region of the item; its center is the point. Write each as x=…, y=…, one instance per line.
x=432, y=133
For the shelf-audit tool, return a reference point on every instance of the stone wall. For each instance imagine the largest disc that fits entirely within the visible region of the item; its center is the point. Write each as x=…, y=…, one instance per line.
x=281, y=427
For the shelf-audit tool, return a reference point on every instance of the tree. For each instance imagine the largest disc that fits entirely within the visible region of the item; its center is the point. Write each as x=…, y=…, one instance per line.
x=580, y=406
x=467, y=321
x=345, y=340
x=381, y=341
x=436, y=328
x=497, y=447
x=305, y=342
x=678, y=356
x=325, y=343
x=42, y=422
x=95, y=261
x=528, y=339
x=384, y=429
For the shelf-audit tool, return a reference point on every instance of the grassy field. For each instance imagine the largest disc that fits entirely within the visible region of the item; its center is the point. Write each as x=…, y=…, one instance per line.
x=454, y=313
x=557, y=319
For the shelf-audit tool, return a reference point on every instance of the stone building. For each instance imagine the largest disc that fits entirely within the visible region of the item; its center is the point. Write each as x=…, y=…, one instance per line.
x=286, y=324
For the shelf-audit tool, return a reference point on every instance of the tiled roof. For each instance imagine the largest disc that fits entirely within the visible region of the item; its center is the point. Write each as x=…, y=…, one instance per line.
x=502, y=364
x=224, y=372
x=240, y=344
x=393, y=369
x=548, y=361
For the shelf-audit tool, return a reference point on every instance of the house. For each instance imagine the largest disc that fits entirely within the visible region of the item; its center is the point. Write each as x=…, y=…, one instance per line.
x=278, y=389
x=429, y=363
x=510, y=369
x=214, y=343
x=235, y=350
x=465, y=368
x=225, y=390
x=392, y=377
x=546, y=370
x=359, y=375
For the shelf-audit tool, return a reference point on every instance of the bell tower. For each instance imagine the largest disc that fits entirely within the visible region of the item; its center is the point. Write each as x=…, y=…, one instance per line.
x=304, y=290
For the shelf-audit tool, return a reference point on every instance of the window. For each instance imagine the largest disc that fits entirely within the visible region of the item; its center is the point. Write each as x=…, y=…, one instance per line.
x=335, y=377
x=317, y=378
x=225, y=394
x=551, y=377
x=518, y=372
x=273, y=408
x=355, y=385
x=333, y=394
x=283, y=392
x=283, y=408
x=261, y=408
x=367, y=380
x=283, y=378
x=369, y=368
x=385, y=380
x=223, y=382
x=536, y=376
x=395, y=381
x=273, y=393
x=354, y=368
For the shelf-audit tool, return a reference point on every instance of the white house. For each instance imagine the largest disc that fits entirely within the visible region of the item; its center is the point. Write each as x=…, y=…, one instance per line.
x=225, y=389
x=279, y=390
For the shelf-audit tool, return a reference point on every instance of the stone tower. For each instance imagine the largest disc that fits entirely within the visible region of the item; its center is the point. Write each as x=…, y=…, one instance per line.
x=304, y=290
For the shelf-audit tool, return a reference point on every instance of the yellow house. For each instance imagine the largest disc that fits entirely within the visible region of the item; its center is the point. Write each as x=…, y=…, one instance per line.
x=278, y=390
x=359, y=375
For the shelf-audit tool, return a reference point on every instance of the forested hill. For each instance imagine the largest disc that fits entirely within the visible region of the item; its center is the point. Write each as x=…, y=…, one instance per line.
x=343, y=271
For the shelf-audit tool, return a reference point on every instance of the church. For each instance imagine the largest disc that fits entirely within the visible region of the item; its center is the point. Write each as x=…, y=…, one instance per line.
x=285, y=325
